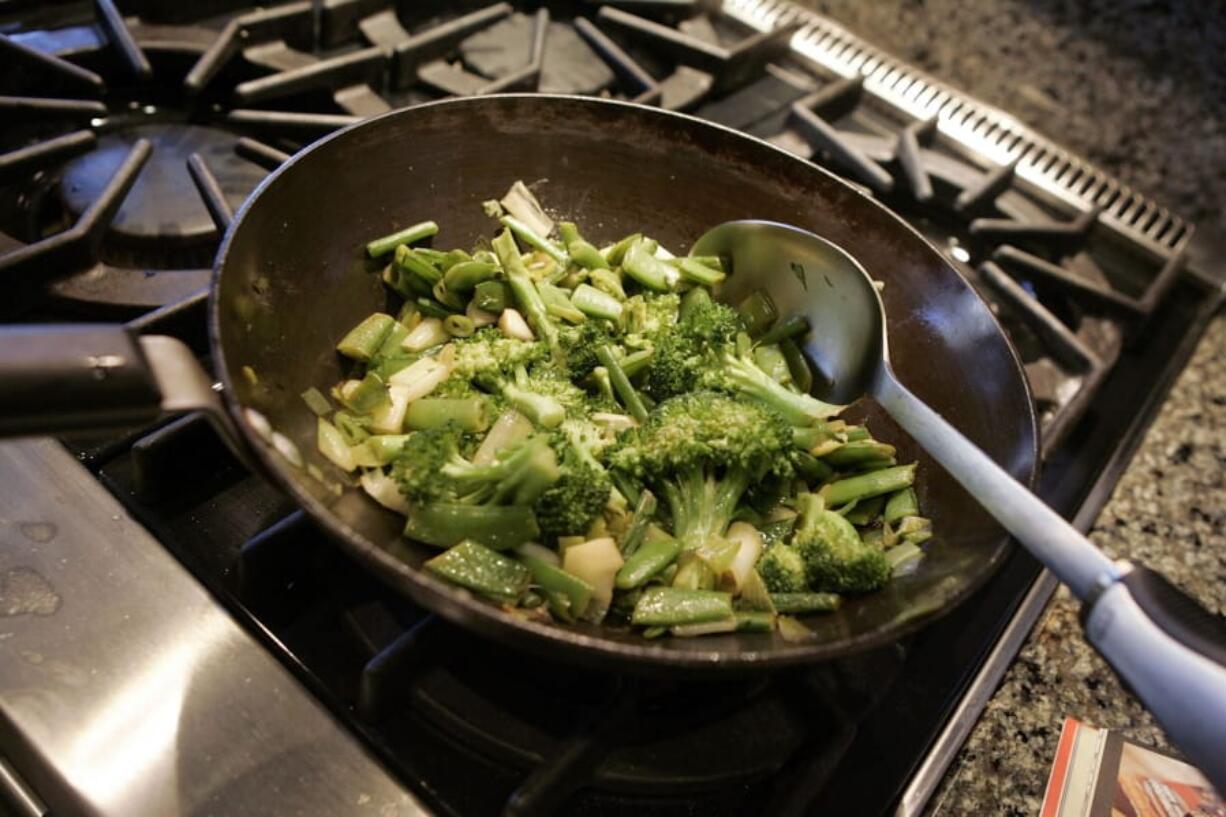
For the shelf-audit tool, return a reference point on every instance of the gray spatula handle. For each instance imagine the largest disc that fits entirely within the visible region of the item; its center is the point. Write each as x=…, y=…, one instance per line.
x=1165, y=646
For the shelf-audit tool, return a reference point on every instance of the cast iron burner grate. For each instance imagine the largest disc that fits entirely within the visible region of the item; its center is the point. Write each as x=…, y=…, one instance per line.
x=109, y=116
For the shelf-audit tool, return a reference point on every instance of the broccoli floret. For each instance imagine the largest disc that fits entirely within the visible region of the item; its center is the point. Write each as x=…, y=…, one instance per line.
x=782, y=569
x=430, y=468
x=738, y=374
x=489, y=351
x=519, y=392
x=552, y=382
x=648, y=314
x=681, y=353
x=579, y=346
x=835, y=557
x=567, y=506
x=700, y=451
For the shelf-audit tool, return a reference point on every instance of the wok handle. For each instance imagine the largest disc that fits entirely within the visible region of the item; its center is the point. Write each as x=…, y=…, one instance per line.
x=73, y=377
x=60, y=378
x=1155, y=638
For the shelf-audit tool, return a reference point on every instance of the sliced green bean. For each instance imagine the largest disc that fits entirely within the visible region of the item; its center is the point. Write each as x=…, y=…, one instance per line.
x=415, y=232
x=798, y=365
x=795, y=326
x=698, y=273
x=856, y=453
x=617, y=253
x=754, y=621
x=524, y=290
x=806, y=602
x=596, y=304
x=553, y=579
x=865, y=511
x=481, y=570
x=629, y=396
x=608, y=282
x=901, y=503
x=459, y=326
x=648, y=560
x=414, y=263
x=363, y=341
x=641, y=265
x=492, y=296
x=758, y=312
x=586, y=255
x=533, y=239
x=568, y=231
x=466, y=413
x=558, y=303
x=500, y=527
x=640, y=523
x=671, y=606
x=874, y=483
x=464, y=276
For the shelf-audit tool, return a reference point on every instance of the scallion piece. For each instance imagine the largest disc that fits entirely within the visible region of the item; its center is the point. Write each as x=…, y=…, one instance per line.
x=316, y=401
x=596, y=304
x=466, y=413
x=534, y=239
x=363, y=341
x=874, y=483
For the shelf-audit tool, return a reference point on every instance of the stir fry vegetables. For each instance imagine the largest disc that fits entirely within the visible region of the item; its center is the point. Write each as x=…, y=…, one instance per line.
x=587, y=434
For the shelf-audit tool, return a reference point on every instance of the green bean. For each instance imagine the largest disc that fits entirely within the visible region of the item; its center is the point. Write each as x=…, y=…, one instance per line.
x=586, y=255
x=758, y=312
x=530, y=237
x=466, y=413
x=558, y=303
x=901, y=503
x=365, y=339
x=617, y=253
x=641, y=265
x=865, y=511
x=636, y=362
x=648, y=560
x=569, y=232
x=629, y=396
x=795, y=326
x=798, y=365
x=862, y=486
x=448, y=299
x=608, y=282
x=811, y=468
x=806, y=602
x=492, y=296
x=553, y=579
x=459, y=326
x=670, y=606
x=443, y=524
x=481, y=570
x=857, y=453
x=596, y=304
x=414, y=263
x=640, y=523
x=432, y=308
x=524, y=290
x=770, y=360
x=464, y=276
x=754, y=621
x=698, y=273
x=416, y=232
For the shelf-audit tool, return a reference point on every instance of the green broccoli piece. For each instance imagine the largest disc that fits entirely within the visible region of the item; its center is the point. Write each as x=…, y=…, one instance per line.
x=782, y=569
x=567, y=506
x=739, y=374
x=647, y=314
x=523, y=394
x=835, y=557
x=684, y=351
x=579, y=346
x=431, y=469
x=700, y=451
x=488, y=351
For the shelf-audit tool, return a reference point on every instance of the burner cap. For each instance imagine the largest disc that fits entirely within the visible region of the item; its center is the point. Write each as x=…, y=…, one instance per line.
x=163, y=205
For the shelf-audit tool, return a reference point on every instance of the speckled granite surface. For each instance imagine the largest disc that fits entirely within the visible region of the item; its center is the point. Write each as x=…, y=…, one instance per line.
x=1138, y=87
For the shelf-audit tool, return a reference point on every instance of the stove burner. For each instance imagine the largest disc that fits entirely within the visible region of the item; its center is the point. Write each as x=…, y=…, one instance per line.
x=162, y=208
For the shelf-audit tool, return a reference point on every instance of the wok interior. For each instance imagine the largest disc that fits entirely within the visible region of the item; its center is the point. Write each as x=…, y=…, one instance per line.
x=293, y=280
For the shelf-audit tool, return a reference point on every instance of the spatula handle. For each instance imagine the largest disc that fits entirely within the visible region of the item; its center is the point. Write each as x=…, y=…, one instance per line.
x=1165, y=646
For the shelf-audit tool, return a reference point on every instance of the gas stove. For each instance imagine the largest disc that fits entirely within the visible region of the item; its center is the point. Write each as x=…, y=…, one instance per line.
x=132, y=135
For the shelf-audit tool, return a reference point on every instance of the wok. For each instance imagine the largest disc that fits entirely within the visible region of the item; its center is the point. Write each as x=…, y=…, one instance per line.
x=290, y=279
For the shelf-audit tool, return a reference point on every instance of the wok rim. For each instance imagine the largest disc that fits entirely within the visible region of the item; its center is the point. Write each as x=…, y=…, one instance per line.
x=472, y=613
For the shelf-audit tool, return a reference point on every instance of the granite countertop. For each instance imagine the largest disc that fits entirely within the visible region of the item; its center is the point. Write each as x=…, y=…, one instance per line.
x=1139, y=88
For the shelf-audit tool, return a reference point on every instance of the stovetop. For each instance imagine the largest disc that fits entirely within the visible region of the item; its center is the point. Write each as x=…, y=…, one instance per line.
x=132, y=138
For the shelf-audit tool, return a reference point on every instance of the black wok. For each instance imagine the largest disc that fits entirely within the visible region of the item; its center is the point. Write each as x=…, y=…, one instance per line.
x=290, y=280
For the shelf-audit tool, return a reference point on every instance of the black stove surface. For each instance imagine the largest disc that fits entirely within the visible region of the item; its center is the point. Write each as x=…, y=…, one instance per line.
x=134, y=137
